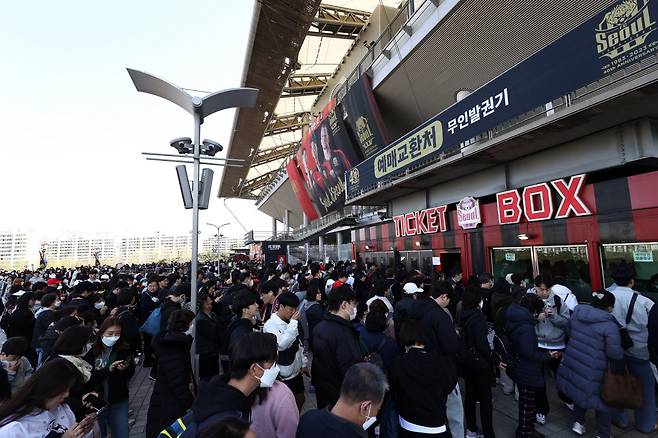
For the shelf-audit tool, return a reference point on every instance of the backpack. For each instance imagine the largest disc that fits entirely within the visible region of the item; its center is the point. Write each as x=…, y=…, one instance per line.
x=504, y=353
x=468, y=355
x=187, y=427
x=152, y=325
x=375, y=358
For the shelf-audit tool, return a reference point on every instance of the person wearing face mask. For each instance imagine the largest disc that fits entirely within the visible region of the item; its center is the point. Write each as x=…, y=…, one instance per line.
x=361, y=396
x=253, y=366
x=245, y=308
x=336, y=346
x=148, y=302
x=44, y=317
x=18, y=368
x=173, y=392
x=113, y=367
x=284, y=324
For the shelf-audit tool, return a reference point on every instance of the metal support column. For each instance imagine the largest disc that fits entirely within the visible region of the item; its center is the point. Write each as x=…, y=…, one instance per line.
x=321, y=247
x=339, y=244
x=273, y=227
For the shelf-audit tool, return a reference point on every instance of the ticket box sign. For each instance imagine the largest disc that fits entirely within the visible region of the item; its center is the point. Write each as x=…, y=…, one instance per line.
x=535, y=202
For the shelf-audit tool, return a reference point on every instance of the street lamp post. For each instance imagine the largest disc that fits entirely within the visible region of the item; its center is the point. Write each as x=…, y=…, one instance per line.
x=199, y=108
x=219, y=227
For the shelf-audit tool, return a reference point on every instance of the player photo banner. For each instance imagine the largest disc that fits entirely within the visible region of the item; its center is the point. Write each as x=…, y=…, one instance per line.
x=326, y=154
x=361, y=113
x=301, y=193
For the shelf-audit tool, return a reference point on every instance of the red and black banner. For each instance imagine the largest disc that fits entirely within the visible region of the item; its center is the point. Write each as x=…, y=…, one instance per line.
x=361, y=114
x=301, y=193
x=326, y=154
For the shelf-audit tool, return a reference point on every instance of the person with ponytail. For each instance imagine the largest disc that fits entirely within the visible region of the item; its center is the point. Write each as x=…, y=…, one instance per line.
x=113, y=365
x=39, y=410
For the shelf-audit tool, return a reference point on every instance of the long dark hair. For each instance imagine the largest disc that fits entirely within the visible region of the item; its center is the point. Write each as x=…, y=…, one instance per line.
x=54, y=378
x=72, y=341
x=98, y=343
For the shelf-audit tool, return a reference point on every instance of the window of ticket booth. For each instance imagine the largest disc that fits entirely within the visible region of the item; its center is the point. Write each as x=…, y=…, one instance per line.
x=568, y=264
x=644, y=259
x=512, y=260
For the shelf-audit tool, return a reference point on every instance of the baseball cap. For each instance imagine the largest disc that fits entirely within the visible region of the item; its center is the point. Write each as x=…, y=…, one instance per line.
x=508, y=278
x=411, y=288
x=53, y=282
x=105, y=277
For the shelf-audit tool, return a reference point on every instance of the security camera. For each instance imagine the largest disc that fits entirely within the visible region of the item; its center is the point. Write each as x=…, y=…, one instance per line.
x=210, y=147
x=182, y=144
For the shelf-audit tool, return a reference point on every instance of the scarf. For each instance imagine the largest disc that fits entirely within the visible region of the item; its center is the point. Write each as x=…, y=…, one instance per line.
x=81, y=365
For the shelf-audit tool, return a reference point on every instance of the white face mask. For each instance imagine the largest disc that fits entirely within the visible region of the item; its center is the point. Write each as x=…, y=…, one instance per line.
x=269, y=376
x=99, y=305
x=190, y=331
x=353, y=314
x=109, y=341
x=369, y=420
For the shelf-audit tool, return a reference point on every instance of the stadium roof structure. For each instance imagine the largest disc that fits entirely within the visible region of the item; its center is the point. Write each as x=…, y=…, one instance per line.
x=294, y=48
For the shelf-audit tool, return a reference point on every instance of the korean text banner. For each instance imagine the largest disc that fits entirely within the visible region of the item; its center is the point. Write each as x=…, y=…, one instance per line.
x=324, y=157
x=360, y=112
x=622, y=35
x=297, y=183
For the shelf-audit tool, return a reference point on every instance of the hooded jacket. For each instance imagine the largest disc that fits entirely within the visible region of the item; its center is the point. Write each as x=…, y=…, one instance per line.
x=520, y=328
x=216, y=396
x=474, y=334
x=336, y=347
x=594, y=341
x=438, y=325
x=551, y=332
x=421, y=391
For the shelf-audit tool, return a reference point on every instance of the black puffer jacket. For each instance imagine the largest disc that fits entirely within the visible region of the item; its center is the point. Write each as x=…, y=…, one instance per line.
x=171, y=396
x=336, y=347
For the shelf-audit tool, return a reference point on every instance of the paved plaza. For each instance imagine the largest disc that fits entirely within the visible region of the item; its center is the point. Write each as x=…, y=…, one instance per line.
x=505, y=413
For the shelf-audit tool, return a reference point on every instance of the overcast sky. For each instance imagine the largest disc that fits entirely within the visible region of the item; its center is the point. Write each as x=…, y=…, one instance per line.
x=73, y=125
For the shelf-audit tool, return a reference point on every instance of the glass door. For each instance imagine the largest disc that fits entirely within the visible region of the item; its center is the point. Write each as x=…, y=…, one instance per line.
x=567, y=265
x=512, y=261
x=643, y=257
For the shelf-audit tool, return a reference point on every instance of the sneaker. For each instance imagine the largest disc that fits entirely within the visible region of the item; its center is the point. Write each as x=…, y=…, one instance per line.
x=578, y=428
x=570, y=406
x=540, y=418
x=470, y=434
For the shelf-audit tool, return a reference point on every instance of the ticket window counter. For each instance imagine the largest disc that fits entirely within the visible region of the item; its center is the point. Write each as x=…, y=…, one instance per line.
x=643, y=257
x=568, y=264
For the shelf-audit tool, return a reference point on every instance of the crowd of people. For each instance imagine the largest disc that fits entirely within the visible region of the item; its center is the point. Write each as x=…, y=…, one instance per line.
x=382, y=352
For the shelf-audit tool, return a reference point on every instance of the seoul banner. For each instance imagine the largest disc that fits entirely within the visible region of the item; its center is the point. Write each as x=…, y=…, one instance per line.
x=622, y=35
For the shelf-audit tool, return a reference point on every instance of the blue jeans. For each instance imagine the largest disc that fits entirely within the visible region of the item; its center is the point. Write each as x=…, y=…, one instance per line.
x=39, y=357
x=645, y=418
x=455, y=413
x=114, y=417
x=388, y=419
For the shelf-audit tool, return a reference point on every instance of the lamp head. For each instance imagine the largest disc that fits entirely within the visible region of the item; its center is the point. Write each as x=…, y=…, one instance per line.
x=182, y=144
x=210, y=147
